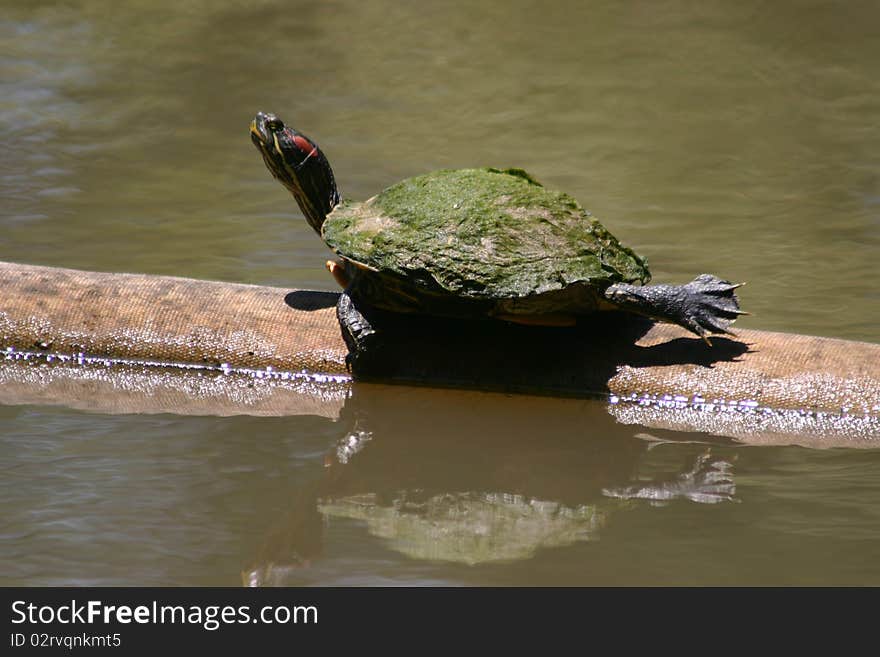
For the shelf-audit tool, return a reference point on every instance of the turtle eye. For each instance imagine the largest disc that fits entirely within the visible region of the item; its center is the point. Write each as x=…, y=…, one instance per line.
x=275, y=124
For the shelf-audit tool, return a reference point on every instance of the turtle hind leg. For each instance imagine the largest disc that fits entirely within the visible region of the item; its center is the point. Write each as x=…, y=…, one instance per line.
x=357, y=331
x=704, y=306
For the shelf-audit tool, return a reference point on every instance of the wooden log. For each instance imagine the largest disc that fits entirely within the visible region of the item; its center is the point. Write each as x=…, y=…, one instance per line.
x=631, y=361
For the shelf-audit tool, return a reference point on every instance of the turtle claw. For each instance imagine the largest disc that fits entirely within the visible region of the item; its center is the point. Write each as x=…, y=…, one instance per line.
x=704, y=306
x=709, y=305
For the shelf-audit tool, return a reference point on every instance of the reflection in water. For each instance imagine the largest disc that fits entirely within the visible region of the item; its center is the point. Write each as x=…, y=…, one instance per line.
x=708, y=482
x=467, y=527
x=517, y=487
x=501, y=495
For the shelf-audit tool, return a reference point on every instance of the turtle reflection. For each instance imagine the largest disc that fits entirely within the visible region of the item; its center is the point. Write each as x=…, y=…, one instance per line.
x=472, y=478
x=468, y=527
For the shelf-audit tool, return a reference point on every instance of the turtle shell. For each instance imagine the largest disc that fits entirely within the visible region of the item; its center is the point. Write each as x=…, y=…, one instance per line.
x=484, y=235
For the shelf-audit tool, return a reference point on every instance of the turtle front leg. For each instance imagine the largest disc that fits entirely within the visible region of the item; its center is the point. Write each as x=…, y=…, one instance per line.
x=359, y=335
x=705, y=305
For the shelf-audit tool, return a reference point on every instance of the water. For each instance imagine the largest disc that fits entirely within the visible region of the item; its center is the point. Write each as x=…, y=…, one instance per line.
x=740, y=140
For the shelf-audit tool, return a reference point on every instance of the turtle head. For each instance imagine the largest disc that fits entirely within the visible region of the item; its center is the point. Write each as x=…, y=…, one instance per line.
x=298, y=164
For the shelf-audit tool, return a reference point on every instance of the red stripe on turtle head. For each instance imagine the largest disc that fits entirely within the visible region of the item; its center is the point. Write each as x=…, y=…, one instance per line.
x=305, y=145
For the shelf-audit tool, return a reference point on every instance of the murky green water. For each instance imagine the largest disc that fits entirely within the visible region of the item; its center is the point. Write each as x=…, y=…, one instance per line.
x=737, y=138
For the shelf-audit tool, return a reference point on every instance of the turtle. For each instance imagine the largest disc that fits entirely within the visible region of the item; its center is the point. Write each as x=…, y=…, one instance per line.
x=480, y=243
